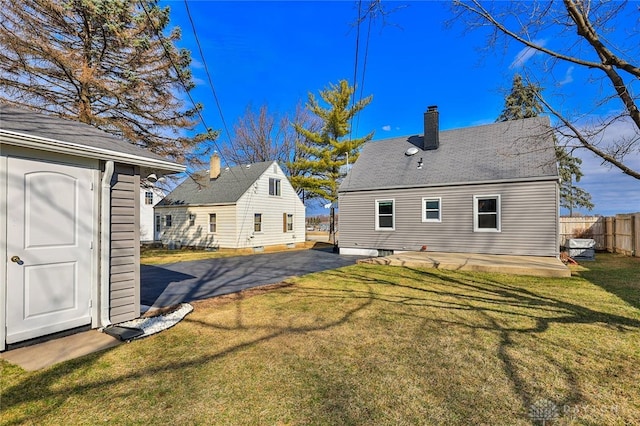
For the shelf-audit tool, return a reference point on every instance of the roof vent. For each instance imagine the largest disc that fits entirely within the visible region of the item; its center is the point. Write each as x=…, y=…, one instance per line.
x=411, y=151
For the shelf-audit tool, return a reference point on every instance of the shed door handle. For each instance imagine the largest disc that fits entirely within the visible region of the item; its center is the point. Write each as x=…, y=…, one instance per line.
x=16, y=259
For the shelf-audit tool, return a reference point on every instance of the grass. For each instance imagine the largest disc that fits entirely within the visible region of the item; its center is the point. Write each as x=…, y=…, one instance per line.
x=368, y=344
x=159, y=256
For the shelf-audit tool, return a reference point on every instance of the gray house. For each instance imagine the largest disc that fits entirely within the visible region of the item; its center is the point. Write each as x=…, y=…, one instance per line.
x=489, y=189
x=69, y=225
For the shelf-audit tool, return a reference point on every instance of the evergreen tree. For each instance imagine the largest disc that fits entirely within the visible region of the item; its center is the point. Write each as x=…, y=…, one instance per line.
x=522, y=102
x=108, y=63
x=330, y=149
x=570, y=195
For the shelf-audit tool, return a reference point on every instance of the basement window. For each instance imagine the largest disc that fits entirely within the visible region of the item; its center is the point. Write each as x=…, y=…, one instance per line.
x=385, y=212
x=486, y=213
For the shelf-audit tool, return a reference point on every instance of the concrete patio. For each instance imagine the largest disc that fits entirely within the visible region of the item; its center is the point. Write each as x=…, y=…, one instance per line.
x=517, y=265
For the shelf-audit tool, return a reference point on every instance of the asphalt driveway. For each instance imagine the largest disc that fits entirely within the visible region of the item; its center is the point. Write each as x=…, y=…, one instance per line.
x=165, y=285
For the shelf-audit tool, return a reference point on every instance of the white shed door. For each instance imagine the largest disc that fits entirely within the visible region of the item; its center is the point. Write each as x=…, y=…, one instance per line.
x=49, y=238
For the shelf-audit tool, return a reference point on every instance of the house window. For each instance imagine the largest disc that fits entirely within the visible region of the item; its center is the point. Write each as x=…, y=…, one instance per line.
x=486, y=213
x=167, y=221
x=192, y=219
x=431, y=210
x=257, y=222
x=385, y=210
x=148, y=197
x=158, y=223
x=287, y=222
x=274, y=186
x=212, y=223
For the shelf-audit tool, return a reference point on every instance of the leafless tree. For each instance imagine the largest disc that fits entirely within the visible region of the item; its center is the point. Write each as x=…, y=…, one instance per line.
x=600, y=39
x=261, y=136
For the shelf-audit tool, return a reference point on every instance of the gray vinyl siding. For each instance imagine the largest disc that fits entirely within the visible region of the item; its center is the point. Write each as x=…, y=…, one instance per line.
x=125, y=245
x=529, y=220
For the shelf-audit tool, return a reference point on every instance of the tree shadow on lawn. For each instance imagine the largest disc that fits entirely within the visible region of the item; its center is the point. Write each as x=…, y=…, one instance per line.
x=451, y=292
x=487, y=297
x=42, y=386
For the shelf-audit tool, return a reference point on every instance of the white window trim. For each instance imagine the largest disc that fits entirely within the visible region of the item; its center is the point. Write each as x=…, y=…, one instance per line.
x=498, y=213
x=424, y=209
x=393, y=214
x=289, y=215
x=209, y=231
x=191, y=219
x=277, y=187
x=261, y=223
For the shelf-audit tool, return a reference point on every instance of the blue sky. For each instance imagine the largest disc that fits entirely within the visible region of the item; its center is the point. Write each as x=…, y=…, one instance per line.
x=275, y=53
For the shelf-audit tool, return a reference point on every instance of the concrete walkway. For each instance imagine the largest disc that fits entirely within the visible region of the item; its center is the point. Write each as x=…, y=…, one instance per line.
x=517, y=265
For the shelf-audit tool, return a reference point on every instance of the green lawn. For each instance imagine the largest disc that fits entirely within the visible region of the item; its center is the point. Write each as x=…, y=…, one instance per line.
x=160, y=256
x=368, y=345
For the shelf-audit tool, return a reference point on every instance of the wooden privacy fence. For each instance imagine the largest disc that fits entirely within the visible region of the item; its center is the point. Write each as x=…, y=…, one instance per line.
x=619, y=234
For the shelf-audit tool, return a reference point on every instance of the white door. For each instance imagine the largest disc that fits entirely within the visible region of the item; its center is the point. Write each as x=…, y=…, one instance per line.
x=49, y=237
x=157, y=228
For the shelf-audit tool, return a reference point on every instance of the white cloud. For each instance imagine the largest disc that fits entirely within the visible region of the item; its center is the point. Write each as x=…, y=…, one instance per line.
x=525, y=54
x=196, y=64
x=568, y=77
x=611, y=190
x=386, y=128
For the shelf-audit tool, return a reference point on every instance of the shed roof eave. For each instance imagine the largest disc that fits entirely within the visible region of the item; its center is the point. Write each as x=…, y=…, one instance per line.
x=440, y=185
x=69, y=148
x=174, y=206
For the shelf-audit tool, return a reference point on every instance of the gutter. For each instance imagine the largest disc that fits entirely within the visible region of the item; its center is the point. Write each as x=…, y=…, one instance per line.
x=70, y=148
x=105, y=241
x=440, y=185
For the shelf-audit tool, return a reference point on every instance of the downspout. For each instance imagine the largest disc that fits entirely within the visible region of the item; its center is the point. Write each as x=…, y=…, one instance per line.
x=105, y=242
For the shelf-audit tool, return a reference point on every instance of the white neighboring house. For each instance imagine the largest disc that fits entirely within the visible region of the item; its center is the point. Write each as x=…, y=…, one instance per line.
x=249, y=206
x=149, y=227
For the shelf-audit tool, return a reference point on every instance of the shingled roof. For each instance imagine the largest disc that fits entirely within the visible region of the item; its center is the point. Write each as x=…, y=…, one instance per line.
x=41, y=131
x=199, y=189
x=507, y=151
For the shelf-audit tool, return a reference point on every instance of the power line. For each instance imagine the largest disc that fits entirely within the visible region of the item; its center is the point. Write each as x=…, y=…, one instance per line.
x=364, y=66
x=179, y=75
x=364, y=69
x=206, y=70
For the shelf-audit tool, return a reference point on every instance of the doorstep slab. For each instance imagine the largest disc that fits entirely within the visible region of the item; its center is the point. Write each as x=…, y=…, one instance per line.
x=46, y=354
